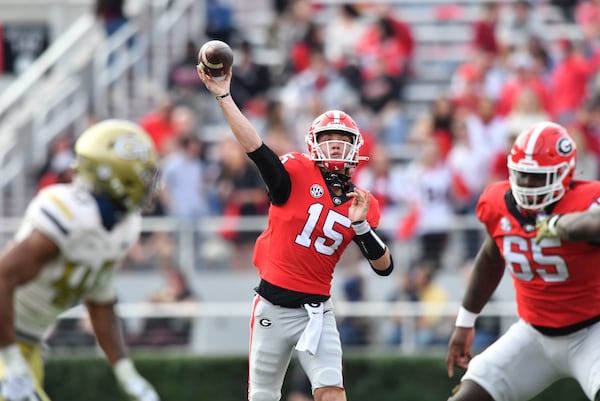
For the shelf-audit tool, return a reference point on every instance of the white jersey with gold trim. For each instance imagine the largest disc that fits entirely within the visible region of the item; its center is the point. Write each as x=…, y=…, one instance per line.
x=88, y=258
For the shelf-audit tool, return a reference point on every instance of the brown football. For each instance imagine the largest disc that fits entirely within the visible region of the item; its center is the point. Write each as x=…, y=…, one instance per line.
x=215, y=58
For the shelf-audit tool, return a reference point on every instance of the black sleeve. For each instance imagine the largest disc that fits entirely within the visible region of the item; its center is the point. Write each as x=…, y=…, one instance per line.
x=273, y=174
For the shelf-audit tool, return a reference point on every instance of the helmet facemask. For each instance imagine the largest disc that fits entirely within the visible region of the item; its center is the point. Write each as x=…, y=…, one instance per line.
x=335, y=154
x=536, y=198
x=541, y=165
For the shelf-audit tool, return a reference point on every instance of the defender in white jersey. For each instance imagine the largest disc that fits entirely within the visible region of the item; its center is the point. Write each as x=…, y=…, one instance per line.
x=70, y=242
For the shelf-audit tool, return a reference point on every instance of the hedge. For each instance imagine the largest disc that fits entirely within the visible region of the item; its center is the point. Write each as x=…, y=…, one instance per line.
x=177, y=378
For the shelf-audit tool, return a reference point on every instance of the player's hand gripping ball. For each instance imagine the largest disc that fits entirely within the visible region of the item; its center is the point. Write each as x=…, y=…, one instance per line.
x=215, y=58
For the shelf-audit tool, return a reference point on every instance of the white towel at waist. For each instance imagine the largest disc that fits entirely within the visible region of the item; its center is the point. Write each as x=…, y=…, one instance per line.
x=309, y=340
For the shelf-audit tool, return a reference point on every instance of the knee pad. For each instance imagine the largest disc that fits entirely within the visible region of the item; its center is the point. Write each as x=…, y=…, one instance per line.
x=262, y=395
x=327, y=378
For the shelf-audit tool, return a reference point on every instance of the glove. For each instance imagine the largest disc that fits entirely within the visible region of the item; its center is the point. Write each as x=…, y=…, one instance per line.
x=136, y=387
x=546, y=228
x=16, y=384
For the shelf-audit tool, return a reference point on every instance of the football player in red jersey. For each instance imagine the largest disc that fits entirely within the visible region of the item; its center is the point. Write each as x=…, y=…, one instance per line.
x=315, y=212
x=543, y=227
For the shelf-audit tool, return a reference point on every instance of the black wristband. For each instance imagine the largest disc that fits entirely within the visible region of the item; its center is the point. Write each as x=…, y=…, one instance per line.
x=222, y=96
x=371, y=246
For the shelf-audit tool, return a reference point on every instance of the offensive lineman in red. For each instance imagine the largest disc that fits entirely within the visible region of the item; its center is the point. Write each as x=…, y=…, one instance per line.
x=543, y=227
x=316, y=211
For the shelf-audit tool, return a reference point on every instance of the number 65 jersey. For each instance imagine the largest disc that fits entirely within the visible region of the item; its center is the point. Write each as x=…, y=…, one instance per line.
x=307, y=235
x=86, y=264
x=557, y=282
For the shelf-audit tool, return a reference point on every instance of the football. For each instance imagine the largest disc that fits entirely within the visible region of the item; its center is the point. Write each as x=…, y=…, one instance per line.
x=215, y=58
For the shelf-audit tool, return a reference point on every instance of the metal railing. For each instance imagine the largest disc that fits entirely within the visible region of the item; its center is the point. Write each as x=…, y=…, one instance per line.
x=205, y=314
x=84, y=71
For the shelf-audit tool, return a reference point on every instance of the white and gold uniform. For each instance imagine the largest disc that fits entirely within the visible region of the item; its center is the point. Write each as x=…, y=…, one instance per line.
x=85, y=266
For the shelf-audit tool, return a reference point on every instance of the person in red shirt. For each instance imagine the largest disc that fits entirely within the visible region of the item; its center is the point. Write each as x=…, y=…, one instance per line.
x=159, y=125
x=571, y=78
x=525, y=77
x=315, y=212
x=484, y=29
x=541, y=225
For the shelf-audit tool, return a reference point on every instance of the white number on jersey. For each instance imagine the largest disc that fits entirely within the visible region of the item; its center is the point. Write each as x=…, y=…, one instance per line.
x=552, y=268
x=314, y=212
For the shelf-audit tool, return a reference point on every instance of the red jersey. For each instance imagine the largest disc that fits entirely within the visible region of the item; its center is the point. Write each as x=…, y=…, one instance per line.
x=557, y=282
x=306, y=236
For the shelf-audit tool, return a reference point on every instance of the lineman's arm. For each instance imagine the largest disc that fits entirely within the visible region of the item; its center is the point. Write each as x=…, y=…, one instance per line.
x=242, y=129
x=576, y=226
x=486, y=275
x=20, y=264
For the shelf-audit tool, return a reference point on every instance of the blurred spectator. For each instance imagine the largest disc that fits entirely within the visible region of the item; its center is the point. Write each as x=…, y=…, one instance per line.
x=418, y=285
x=527, y=110
x=59, y=163
x=112, y=14
x=484, y=29
x=477, y=77
x=220, y=23
x=524, y=78
x=354, y=330
x=319, y=87
x=242, y=193
x=167, y=331
x=289, y=27
x=436, y=125
x=487, y=128
x=159, y=125
x=184, y=186
x=543, y=63
x=571, y=79
x=387, y=44
x=499, y=168
x=251, y=80
x=468, y=162
x=301, y=50
x=341, y=35
x=429, y=211
x=183, y=78
x=587, y=162
x=375, y=176
x=589, y=124
x=567, y=8
x=517, y=23
x=587, y=17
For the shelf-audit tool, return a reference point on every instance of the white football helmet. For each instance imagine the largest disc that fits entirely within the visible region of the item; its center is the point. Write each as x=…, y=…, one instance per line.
x=541, y=165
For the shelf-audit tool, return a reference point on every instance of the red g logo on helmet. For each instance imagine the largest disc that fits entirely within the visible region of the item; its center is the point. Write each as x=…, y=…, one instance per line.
x=340, y=122
x=545, y=153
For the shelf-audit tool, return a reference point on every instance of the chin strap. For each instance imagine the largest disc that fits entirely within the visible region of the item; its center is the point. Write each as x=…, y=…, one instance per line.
x=336, y=180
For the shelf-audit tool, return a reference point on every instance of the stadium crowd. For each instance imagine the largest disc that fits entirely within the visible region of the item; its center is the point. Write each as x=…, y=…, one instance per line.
x=424, y=169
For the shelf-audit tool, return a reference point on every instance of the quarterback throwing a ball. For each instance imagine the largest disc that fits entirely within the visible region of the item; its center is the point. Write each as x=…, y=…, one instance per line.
x=315, y=212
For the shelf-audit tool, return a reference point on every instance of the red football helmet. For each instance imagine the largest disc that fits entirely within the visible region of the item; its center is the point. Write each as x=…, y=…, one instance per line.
x=335, y=121
x=541, y=165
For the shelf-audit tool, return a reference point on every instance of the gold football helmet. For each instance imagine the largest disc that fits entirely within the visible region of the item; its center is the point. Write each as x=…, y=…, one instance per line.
x=117, y=158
